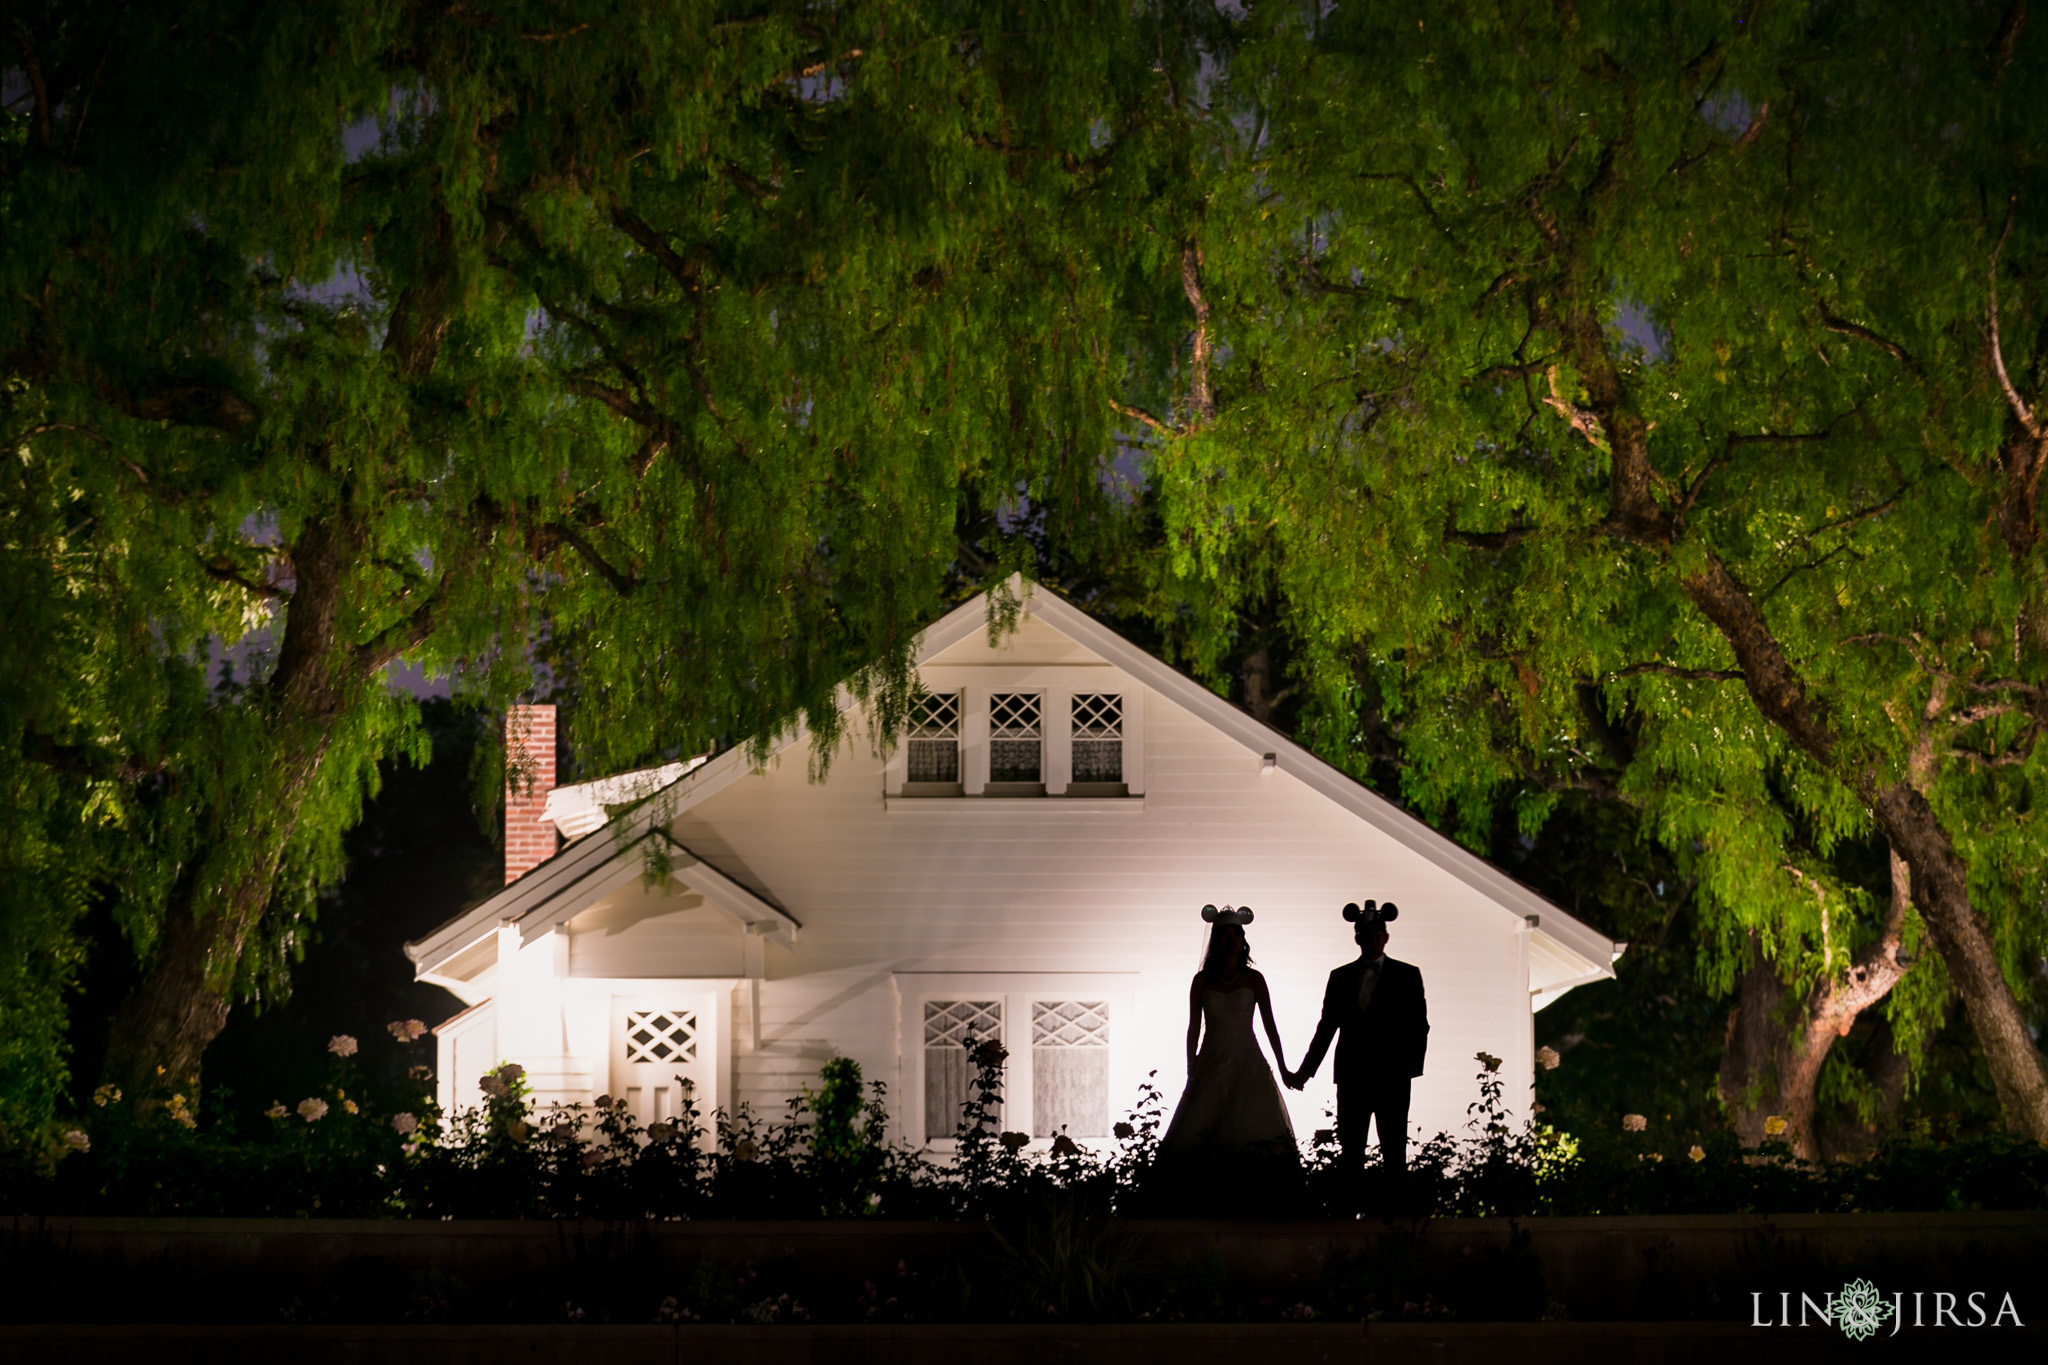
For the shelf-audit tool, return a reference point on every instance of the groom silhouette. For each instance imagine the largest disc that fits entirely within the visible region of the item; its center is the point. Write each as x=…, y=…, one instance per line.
x=1375, y=1009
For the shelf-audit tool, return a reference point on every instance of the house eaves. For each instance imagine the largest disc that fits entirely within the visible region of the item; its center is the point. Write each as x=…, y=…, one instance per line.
x=589, y=869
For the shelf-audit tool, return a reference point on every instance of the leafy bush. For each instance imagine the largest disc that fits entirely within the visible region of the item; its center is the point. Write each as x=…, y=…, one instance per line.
x=341, y=1154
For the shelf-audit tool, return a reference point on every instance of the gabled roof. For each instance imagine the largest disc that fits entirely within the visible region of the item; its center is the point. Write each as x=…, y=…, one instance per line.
x=591, y=867
x=1564, y=952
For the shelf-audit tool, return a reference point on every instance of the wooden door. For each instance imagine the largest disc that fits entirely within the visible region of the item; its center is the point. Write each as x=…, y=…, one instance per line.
x=664, y=1051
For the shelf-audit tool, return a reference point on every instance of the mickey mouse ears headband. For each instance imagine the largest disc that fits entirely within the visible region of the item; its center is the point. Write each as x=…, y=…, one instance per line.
x=1372, y=912
x=1239, y=915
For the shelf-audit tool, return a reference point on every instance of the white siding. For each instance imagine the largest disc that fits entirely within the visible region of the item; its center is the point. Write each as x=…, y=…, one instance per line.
x=636, y=933
x=981, y=888
x=889, y=893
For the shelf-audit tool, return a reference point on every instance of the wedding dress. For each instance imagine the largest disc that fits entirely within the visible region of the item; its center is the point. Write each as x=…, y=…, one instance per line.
x=1232, y=1102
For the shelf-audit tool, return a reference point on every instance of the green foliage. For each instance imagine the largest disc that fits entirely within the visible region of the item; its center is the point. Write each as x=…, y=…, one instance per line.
x=1451, y=259
x=670, y=344
x=836, y=1108
x=363, y=1149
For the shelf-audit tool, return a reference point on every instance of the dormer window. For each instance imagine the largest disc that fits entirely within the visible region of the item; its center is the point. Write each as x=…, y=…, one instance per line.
x=1098, y=745
x=1016, y=745
x=933, y=748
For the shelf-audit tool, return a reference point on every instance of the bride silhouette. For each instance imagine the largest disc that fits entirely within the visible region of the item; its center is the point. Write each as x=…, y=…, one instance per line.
x=1232, y=1106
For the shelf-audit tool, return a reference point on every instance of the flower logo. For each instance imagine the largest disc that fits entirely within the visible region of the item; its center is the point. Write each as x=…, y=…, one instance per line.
x=1860, y=1310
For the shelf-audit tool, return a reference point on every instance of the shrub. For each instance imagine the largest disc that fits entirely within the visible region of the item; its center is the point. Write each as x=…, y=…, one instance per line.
x=338, y=1154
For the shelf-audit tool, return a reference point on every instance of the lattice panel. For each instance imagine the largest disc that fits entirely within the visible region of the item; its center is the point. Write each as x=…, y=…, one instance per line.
x=1098, y=715
x=948, y=1022
x=661, y=1036
x=1013, y=715
x=1069, y=1023
x=936, y=716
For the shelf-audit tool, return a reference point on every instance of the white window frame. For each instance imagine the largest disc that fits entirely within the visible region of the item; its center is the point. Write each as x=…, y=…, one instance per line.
x=1017, y=991
x=1066, y=729
x=1056, y=686
x=959, y=738
x=1044, y=746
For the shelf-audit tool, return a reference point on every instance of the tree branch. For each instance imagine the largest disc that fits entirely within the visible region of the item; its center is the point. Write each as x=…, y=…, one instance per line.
x=1140, y=415
x=84, y=760
x=1850, y=329
x=34, y=70
x=225, y=572
x=412, y=630
x=1487, y=540
x=1662, y=669
x=561, y=533
x=1198, y=359
x=2012, y=397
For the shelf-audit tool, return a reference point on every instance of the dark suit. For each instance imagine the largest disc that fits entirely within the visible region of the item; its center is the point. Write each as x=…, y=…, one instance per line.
x=1379, y=1052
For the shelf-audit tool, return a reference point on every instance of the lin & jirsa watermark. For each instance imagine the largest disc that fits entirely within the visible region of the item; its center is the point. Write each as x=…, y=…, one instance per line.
x=1861, y=1311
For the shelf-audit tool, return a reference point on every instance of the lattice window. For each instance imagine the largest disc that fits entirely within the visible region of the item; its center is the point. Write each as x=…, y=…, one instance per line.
x=1015, y=738
x=1070, y=1068
x=661, y=1036
x=933, y=750
x=1098, y=737
x=948, y=1024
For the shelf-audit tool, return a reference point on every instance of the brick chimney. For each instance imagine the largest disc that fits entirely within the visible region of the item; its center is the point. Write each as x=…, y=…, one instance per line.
x=529, y=777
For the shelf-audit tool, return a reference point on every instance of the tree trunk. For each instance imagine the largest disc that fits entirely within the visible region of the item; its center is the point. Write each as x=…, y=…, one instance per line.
x=1639, y=515
x=180, y=1006
x=1962, y=936
x=1770, y=1065
x=162, y=1028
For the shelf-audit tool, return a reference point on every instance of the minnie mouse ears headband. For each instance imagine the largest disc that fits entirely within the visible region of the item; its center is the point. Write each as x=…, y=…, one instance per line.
x=1372, y=912
x=1239, y=915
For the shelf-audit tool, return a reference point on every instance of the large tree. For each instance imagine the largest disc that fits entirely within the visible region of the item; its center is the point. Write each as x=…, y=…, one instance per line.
x=1648, y=399
x=337, y=336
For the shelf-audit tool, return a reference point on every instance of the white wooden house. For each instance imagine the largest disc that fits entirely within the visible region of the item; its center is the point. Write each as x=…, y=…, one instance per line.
x=1030, y=862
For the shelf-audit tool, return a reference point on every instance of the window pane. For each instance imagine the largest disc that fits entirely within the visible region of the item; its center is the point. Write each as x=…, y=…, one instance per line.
x=1070, y=1068
x=1014, y=760
x=934, y=760
x=1098, y=737
x=1014, y=736
x=661, y=1036
x=1098, y=760
x=945, y=1090
x=936, y=716
x=947, y=1026
x=1070, y=1090
x=1098, y=715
